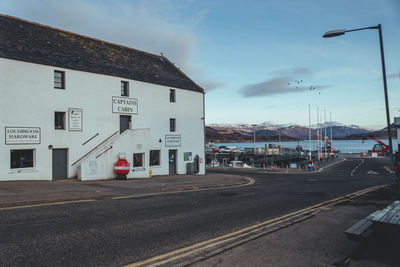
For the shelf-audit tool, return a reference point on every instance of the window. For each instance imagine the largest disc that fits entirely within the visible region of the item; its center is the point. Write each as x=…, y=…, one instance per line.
x=172, y=125
x=21, y=159
x=59, y=79
x=138, y=160
x=124, y=88
x=172, y=95
x=154, y=157
x=59, y=120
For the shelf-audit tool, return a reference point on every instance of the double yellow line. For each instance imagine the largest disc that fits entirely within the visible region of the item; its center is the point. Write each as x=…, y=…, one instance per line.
x=250, y=181
x=243, y=233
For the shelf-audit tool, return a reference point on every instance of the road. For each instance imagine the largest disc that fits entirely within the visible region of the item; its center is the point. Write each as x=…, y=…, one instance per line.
x=124, y=231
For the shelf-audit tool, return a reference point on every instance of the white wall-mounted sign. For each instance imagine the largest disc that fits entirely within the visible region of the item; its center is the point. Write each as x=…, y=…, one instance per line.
x=172, y=140
x=22, y=135
x=124, y=105
x=187, y=156
x=75, y=119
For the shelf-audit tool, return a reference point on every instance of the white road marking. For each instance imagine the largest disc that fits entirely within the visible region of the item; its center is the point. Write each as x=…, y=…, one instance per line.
x=358, y=166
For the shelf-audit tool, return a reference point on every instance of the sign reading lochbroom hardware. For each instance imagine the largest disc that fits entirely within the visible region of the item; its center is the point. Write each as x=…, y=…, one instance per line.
x=172, y=140
x=22, y=135
x=124, y=105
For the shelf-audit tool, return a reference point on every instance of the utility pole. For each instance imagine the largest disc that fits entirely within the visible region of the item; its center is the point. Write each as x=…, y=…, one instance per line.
x=325, y=135
x=396, y=182
x=309, y=131
x=318, y=134
x=330, y=118
x=254, y=138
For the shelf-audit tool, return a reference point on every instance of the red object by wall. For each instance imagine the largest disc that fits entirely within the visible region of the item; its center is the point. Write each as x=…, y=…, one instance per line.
x=122, y=167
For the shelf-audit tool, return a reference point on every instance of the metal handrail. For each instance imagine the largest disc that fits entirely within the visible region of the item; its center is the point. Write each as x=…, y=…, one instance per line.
x=103, y=152
x=90, y=139
x=108, y=138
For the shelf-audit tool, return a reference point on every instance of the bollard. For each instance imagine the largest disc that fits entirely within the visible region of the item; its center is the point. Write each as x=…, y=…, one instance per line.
x=150, y=173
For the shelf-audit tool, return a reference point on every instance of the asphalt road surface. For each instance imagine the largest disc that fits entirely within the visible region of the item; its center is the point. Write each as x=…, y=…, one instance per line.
x=119, y=232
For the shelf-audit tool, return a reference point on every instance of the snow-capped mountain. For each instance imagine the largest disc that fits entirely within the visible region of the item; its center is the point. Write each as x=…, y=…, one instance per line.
x=268, y=131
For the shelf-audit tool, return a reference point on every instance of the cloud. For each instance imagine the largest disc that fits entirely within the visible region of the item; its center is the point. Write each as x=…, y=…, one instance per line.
x=211, y=85
x=288, y=81
x=149, y=26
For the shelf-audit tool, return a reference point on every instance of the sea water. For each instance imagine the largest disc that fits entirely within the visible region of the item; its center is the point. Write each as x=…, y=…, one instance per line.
x=343, y=146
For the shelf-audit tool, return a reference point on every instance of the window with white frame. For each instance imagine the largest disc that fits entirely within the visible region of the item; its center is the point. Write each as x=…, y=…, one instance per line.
x=22, y=158
x=59, y=79
x=124, y=88
x=172, y=95
x=59, y=120
x=172, y=124
x=154, y=158
x=138, y=160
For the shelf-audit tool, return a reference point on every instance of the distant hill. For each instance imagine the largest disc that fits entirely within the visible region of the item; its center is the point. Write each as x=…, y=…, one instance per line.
x=381, y=134
x=236, y=134
x=343, y=131
x=269, y=132
x=298, y=132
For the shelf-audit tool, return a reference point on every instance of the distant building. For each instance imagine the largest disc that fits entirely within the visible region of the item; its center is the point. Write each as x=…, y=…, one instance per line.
x=71, y=105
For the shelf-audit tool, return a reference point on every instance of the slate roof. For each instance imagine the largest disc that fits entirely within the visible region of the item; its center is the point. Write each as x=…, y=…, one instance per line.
x=32, y=42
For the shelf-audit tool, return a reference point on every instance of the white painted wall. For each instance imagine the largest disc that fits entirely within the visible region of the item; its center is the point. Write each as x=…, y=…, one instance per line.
x=97, y=165
x=28, y=99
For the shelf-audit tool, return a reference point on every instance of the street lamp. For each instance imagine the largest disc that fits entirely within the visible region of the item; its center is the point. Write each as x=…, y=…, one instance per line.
x=254, y=138
x=335, y=33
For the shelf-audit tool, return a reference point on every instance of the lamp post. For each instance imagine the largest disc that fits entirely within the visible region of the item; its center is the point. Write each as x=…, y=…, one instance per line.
x=379, y=28
x=254, y=138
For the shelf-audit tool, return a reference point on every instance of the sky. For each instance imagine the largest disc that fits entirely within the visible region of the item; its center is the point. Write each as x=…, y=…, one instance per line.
x=258, y=61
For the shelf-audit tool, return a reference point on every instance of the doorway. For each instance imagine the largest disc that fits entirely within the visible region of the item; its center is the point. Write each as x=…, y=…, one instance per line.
x=60, y=163
x=172, y=161
x=124, y=123
x=196, y=164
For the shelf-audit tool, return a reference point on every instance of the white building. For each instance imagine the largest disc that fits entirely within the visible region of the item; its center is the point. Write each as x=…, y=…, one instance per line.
x=70, y=105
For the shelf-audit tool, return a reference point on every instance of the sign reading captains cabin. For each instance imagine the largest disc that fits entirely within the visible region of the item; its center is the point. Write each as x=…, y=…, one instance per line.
x=22, y=135
x=124, y=105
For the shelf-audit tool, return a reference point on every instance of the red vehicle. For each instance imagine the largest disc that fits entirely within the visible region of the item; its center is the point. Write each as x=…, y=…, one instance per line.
x=329, y=148
x=380, y=148
x=215, y=149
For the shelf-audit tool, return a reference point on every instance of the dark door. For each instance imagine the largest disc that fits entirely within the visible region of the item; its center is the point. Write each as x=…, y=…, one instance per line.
x=196, y=164
x=60, y=163
x=124, y=123
x=172, y=161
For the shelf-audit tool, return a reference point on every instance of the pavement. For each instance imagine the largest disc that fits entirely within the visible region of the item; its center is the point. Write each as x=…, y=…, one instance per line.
x=22, y=193
x=319, y=240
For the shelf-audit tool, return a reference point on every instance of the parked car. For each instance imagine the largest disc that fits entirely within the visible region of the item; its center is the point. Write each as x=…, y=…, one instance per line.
x=236, y=164
x=214, y=163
